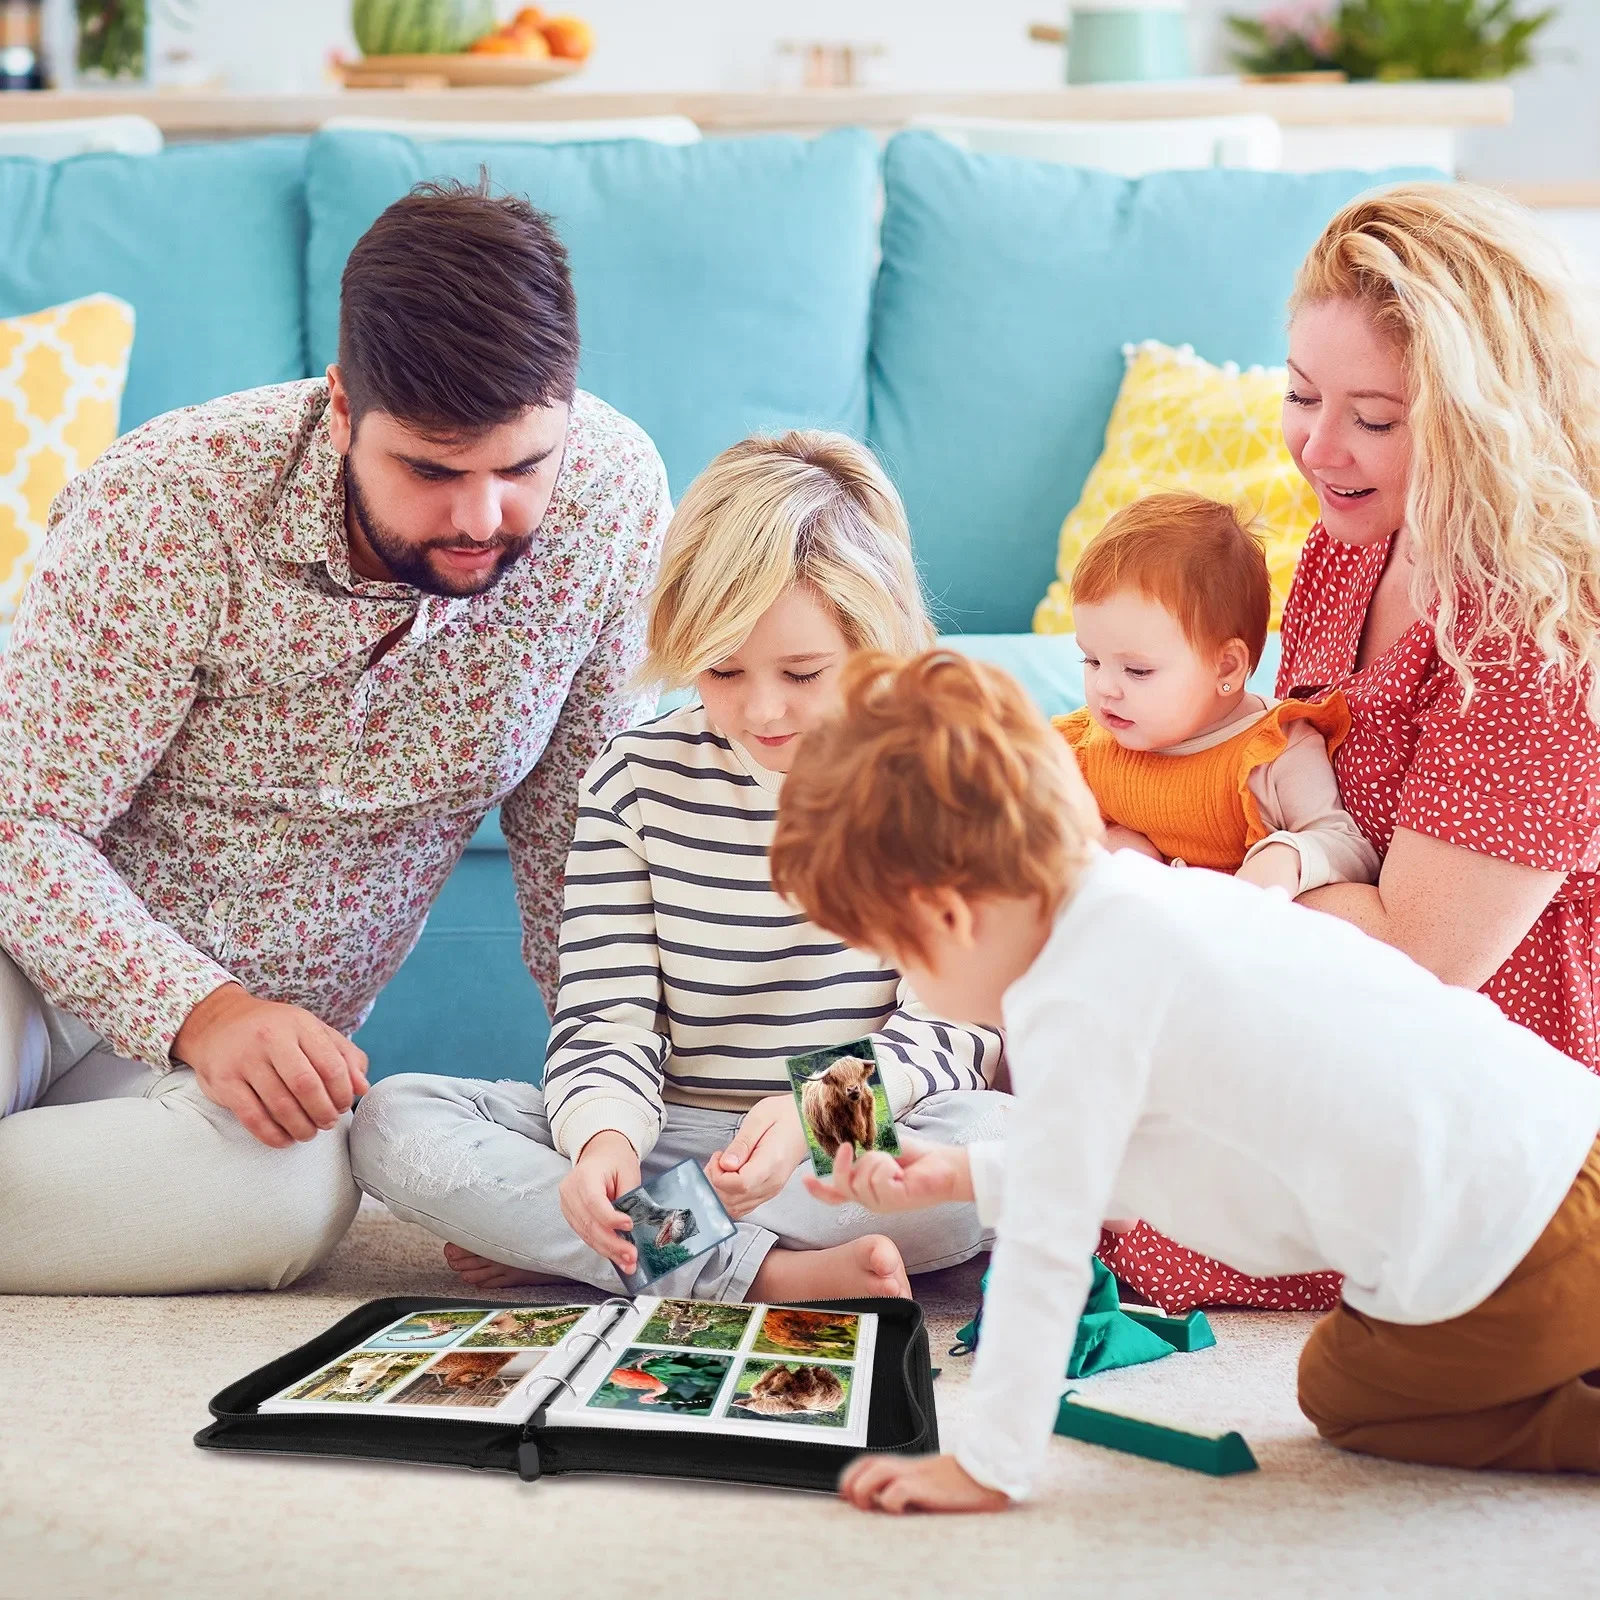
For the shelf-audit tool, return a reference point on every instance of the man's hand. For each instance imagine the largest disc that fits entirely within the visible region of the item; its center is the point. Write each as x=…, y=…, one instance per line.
x=769, y=1145
x=1275, y=867
x=922, y=1174
x=1121, y=838
x=282, y=1072
x=917, y=1483
x=607, y=1166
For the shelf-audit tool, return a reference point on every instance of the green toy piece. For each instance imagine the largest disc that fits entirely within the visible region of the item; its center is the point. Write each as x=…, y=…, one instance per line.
x=1219, y=1454
x=1187, y=1334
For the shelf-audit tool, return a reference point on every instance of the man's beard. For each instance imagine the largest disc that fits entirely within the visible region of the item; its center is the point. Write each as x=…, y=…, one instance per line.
x=410, y=562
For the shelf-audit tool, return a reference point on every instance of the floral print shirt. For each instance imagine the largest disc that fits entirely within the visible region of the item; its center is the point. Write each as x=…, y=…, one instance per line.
x=205, y=779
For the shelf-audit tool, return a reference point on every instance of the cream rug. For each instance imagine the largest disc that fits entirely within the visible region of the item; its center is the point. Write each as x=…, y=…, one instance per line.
x=102, y=1494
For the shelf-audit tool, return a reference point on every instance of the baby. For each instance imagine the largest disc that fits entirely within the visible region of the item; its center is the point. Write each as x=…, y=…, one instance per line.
x=1171, y=602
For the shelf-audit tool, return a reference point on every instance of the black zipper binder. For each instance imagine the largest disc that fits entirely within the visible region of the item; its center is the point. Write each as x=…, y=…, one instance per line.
x=900, y=1417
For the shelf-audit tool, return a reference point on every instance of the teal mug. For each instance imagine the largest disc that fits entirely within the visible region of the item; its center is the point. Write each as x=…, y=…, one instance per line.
x=1127, y=41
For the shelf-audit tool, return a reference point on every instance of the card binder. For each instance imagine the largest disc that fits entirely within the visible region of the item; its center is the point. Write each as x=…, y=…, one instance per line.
x=900, y=1416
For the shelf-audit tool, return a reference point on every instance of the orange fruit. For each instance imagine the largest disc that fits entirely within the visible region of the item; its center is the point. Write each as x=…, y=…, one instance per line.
x=528, y=17
x=495, y=44
x=569, y=37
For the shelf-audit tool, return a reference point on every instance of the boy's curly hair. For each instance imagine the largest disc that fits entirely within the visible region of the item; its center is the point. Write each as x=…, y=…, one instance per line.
x=938, y=772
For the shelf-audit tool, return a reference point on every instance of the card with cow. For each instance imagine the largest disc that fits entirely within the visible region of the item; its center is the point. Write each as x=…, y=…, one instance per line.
x=677, y=1217
x=842, y=1101
x=781, y=1371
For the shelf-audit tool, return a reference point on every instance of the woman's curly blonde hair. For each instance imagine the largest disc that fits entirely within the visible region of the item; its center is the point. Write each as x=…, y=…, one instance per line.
x=1502, y=355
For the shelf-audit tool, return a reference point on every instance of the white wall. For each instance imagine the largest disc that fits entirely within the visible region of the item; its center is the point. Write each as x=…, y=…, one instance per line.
x=731, y=44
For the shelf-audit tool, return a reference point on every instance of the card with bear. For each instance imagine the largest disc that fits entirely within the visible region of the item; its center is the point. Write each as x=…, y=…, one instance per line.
x=842, y=1100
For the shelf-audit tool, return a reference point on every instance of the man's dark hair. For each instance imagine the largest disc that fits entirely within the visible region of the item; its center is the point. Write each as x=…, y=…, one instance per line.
x=456, y=312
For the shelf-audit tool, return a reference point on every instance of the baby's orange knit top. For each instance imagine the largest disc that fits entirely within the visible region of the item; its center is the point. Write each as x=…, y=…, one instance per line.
x=1197, y=808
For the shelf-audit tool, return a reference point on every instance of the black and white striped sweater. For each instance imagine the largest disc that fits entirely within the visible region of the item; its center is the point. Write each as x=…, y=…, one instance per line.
x=684, y=977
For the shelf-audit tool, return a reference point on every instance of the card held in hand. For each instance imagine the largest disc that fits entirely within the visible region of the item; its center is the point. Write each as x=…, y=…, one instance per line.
x=842, y=1100
x=676, y=1217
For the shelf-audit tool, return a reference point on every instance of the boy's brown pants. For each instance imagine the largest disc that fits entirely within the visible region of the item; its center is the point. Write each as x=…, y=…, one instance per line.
x=1499, y=1386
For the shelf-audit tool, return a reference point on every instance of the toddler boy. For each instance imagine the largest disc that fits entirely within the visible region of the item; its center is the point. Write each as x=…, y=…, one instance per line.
x=1258, y=1081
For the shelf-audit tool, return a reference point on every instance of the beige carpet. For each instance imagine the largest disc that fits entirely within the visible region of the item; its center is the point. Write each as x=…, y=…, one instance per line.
x=102, y=1493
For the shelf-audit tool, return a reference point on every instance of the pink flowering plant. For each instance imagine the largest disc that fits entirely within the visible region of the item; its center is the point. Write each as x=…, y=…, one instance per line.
x=1287, y=38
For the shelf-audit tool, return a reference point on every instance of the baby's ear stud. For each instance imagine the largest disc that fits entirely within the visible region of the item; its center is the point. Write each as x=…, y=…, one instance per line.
x=1226, y=687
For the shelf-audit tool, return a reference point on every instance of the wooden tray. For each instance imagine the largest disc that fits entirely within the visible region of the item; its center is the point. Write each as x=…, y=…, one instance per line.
x=461, y=71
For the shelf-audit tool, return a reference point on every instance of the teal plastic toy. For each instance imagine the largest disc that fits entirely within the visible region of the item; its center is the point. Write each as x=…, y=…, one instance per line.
x=1219, y=1454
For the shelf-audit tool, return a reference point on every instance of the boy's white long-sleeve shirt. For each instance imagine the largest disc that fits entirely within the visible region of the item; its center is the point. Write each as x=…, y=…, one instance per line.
x=1267, y=1085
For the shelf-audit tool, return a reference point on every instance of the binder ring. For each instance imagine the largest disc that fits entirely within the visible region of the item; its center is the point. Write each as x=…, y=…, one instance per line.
x=595, y=1336
x=560, y=1383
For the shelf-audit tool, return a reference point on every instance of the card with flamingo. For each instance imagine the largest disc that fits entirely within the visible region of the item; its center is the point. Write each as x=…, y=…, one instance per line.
x=685, y=1383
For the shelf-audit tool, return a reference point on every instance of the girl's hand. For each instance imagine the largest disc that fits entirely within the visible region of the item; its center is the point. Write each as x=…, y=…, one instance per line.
x=607, y=1166
x=917, y=1483
x=921, y=1175
x=1121, y=838
x=762, y=1157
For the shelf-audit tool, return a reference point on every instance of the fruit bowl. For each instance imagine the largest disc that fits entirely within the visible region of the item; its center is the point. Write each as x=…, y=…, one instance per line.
x=459, y=70
x=453, y=43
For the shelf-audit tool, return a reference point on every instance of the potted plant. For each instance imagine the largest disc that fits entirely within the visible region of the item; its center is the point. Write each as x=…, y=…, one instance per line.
x=1391, y=40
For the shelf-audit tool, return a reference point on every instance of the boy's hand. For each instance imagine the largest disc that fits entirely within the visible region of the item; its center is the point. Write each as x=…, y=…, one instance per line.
x=762, y=1157
x=1276, y=867
x=917, y=1483
x=607, y=1166
x=921, y=1175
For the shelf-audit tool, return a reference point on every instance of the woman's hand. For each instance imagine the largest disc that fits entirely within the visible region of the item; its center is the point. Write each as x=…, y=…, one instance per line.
x=1121, y=838
x=762, y=1156
x=607, y=1166
x=921, y=1175
x=917, y=1483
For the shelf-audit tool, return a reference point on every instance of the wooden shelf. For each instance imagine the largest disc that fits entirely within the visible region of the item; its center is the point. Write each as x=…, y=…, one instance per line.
x=190, y=114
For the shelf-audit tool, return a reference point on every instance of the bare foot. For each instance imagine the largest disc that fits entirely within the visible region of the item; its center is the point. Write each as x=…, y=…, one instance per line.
x=482, y=1273
x=863, y=1269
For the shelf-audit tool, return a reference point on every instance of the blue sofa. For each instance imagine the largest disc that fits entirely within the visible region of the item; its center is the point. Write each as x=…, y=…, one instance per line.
x=971, y=329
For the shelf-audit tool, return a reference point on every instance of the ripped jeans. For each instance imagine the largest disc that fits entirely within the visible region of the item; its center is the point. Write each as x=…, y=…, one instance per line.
x=473, y=1163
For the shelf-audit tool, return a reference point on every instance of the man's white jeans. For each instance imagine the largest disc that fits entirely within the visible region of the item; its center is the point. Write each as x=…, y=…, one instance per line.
x=115, y=1179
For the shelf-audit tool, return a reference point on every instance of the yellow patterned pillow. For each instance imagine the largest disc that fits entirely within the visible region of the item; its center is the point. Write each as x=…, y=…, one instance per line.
x=1181, y=423
x=61, y=378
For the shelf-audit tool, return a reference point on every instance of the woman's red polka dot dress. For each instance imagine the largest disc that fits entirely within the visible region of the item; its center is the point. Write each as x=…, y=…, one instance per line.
x=1517, y=776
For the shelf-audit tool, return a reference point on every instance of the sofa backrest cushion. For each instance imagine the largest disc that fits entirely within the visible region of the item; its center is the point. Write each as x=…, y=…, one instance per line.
x=205, y=242
x=722, y=287
x=1007, y=291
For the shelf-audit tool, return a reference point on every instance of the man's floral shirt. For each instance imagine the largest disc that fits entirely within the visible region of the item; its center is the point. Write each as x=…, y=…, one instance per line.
x=202, y=779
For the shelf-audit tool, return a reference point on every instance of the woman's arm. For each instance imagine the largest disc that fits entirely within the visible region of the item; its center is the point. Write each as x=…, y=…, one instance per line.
x=1455, y=911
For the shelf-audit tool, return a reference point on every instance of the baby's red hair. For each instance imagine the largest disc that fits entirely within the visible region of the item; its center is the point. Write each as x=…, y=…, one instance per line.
x=1191, y=555
x=937, y=772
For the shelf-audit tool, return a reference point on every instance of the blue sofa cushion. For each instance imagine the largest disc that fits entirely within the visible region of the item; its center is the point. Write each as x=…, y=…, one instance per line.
x=1007, y=290
x=723, y=286
x=205, y=242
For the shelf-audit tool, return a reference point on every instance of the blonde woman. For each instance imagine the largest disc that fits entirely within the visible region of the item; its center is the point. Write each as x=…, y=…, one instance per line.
x=1444, y=403
x=685, y=981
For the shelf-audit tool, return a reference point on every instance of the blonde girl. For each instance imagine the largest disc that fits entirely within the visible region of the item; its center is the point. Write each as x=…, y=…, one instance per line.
x=685, y=981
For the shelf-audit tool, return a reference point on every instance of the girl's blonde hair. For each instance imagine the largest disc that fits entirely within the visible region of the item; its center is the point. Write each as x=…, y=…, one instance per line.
x=804, y=507
x=1503, y=362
